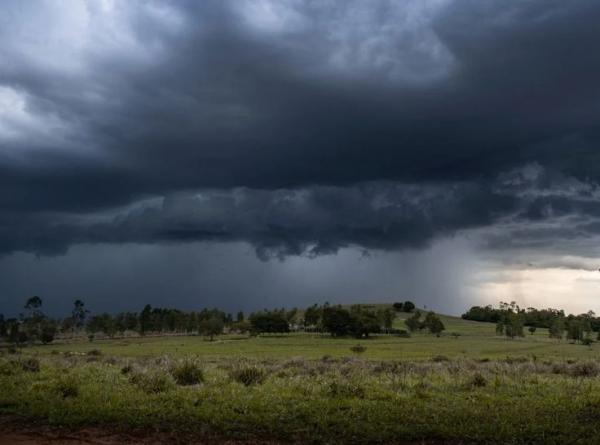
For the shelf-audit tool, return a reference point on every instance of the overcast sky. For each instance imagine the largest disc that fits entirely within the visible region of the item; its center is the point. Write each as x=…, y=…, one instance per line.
x=250, y=154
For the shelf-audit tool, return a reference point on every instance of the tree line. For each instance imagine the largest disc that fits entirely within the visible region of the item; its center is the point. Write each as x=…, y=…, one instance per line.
x=357, y=320
x=511, y=320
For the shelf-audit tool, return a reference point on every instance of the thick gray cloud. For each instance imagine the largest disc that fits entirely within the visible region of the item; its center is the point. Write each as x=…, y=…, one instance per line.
x=299, y=127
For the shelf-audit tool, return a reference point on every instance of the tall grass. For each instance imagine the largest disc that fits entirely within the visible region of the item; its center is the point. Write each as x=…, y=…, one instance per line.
x=320, y=401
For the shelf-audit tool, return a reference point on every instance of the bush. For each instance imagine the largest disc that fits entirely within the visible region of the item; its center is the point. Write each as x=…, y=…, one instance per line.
x=338, y=388
x=248, y=374
x=587, y=341
x=187, y=372
x=477, y=381
x=358, y=349
x=153, y=382
x=67, y=386
x=9, y=368
x=30, y=365
x=403, y=333
x=94, y=352
x=585, y=369
x=439, y=358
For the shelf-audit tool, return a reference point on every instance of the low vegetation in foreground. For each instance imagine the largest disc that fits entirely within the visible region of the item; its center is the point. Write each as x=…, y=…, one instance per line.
x=346, y=400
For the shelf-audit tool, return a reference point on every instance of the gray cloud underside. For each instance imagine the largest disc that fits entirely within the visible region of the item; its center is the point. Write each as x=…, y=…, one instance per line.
x=300, y=128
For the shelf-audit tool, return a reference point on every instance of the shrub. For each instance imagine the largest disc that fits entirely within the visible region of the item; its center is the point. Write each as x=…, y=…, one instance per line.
x=187, y=372
x=519, y=359
x=126, y=369
x=439, y=358
x=585, y=369
x=9, y=368
x=338, y=388
x=152, y=382
x=30, y=364
x=587, y=341
x=248, y=374
x=94, y=352
x=358, y=349
x=403, y=333
x=477, y=381
x=66, y=386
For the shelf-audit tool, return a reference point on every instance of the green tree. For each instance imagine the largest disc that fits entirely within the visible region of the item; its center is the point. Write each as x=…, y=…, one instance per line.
x=386, y=318
x=434, y=324
x=363, y=322
x=48, y=331
x=408, y=306
x=337, y=321
x=269, y=322
x=413, y=323
x=532, y=329
x=557, y=328
x=211, y=327
x=513, y=325
x=312, y=315
x=3, y=329
x=145, y=320
x=79, y=314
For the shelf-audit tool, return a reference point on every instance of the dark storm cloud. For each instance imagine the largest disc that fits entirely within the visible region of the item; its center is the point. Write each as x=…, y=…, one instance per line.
x=312, y=221
x=292, y=120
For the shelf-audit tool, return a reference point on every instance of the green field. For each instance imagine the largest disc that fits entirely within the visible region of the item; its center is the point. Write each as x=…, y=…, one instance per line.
x=476, y=340
x=310, y=388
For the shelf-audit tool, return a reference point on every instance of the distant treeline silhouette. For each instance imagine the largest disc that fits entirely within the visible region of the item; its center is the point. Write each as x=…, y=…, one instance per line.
x=357, y=320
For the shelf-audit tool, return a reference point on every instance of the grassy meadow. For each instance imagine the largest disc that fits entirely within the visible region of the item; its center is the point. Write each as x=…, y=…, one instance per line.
x=474, y=387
